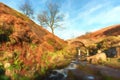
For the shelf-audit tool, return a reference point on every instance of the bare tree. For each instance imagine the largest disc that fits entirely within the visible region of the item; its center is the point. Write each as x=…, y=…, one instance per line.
x=27, y=9
x=50, y=17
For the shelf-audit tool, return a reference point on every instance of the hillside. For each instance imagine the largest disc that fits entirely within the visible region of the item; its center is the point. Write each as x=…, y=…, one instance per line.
x=22, y=29
x=24, y=43
x=106, y=39
x=108, y=31
x=100, y=34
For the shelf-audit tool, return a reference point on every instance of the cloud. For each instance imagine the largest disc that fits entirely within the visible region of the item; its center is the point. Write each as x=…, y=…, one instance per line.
x=80, y=16
x=69, y=33
x=72, y=22
x=110, y=16
x=91, y=17
x=94, y=16
x=88, y=12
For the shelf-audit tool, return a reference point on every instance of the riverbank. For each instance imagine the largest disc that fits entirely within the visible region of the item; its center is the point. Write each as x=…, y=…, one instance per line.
x=82, y=70
x=96, y=72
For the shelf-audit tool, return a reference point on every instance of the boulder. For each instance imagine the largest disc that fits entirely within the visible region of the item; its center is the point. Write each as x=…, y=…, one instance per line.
x=100, y=57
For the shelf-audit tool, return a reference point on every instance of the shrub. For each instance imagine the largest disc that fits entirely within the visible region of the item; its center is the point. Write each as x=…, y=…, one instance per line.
x=20, y=77
x=108, y=42
x=12, y=41
x=5, y=31
x=119, y=60
x=2, y=73
x=33, y=46
x=57, y=46
x=51, y=41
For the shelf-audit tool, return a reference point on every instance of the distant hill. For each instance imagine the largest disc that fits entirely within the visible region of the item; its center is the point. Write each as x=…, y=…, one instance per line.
x=22, y=42
x=99, y=35
x=106, y=39
x=108, y=31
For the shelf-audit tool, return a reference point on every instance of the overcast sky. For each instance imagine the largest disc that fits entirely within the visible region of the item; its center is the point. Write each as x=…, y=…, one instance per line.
x=81, y=16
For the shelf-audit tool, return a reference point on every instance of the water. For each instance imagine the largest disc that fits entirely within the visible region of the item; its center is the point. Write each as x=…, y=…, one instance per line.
x=89, y=77
x=61, y=74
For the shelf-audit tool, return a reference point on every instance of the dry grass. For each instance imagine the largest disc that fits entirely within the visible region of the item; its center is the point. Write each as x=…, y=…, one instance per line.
x=113, y=62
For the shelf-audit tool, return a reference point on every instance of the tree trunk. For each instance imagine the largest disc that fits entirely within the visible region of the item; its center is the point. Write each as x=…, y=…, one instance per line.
x=52, y=29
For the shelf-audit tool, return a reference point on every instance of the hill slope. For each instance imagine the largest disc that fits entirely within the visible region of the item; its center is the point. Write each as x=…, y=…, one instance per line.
x=22, y=42
x=100, y=34
x=25, y=30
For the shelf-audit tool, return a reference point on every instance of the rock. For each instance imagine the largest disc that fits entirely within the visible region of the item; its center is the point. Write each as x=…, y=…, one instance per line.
x=100, y=57
x=6, y=65
x=8, y=72
x=58, y=75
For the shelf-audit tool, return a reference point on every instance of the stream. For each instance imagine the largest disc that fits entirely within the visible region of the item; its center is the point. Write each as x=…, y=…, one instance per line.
x=89, y=72
x=62, y=74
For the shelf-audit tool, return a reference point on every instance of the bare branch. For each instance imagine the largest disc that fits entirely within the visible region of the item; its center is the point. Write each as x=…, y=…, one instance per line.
x=27, y=9
x=50, y=17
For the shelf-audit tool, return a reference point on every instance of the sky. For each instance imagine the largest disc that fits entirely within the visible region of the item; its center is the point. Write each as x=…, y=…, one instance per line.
x=80, y=16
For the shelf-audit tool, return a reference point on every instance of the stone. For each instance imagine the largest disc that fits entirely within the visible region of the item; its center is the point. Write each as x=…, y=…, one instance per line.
x=98, y=58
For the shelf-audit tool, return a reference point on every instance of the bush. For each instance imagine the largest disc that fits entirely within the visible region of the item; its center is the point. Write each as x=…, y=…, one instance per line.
x=2, y=74
x=19, y=77
x=119, y=60
x=5, y=31
x=108, y=42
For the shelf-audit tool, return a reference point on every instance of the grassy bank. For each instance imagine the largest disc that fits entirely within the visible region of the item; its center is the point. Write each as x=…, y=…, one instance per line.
x=113, y=62
x=58, y=59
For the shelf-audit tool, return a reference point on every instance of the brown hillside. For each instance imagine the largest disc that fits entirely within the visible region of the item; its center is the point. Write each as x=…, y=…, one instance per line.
x=108, y=31
x=24, y=41
x=100, y=34
x=25, y=30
